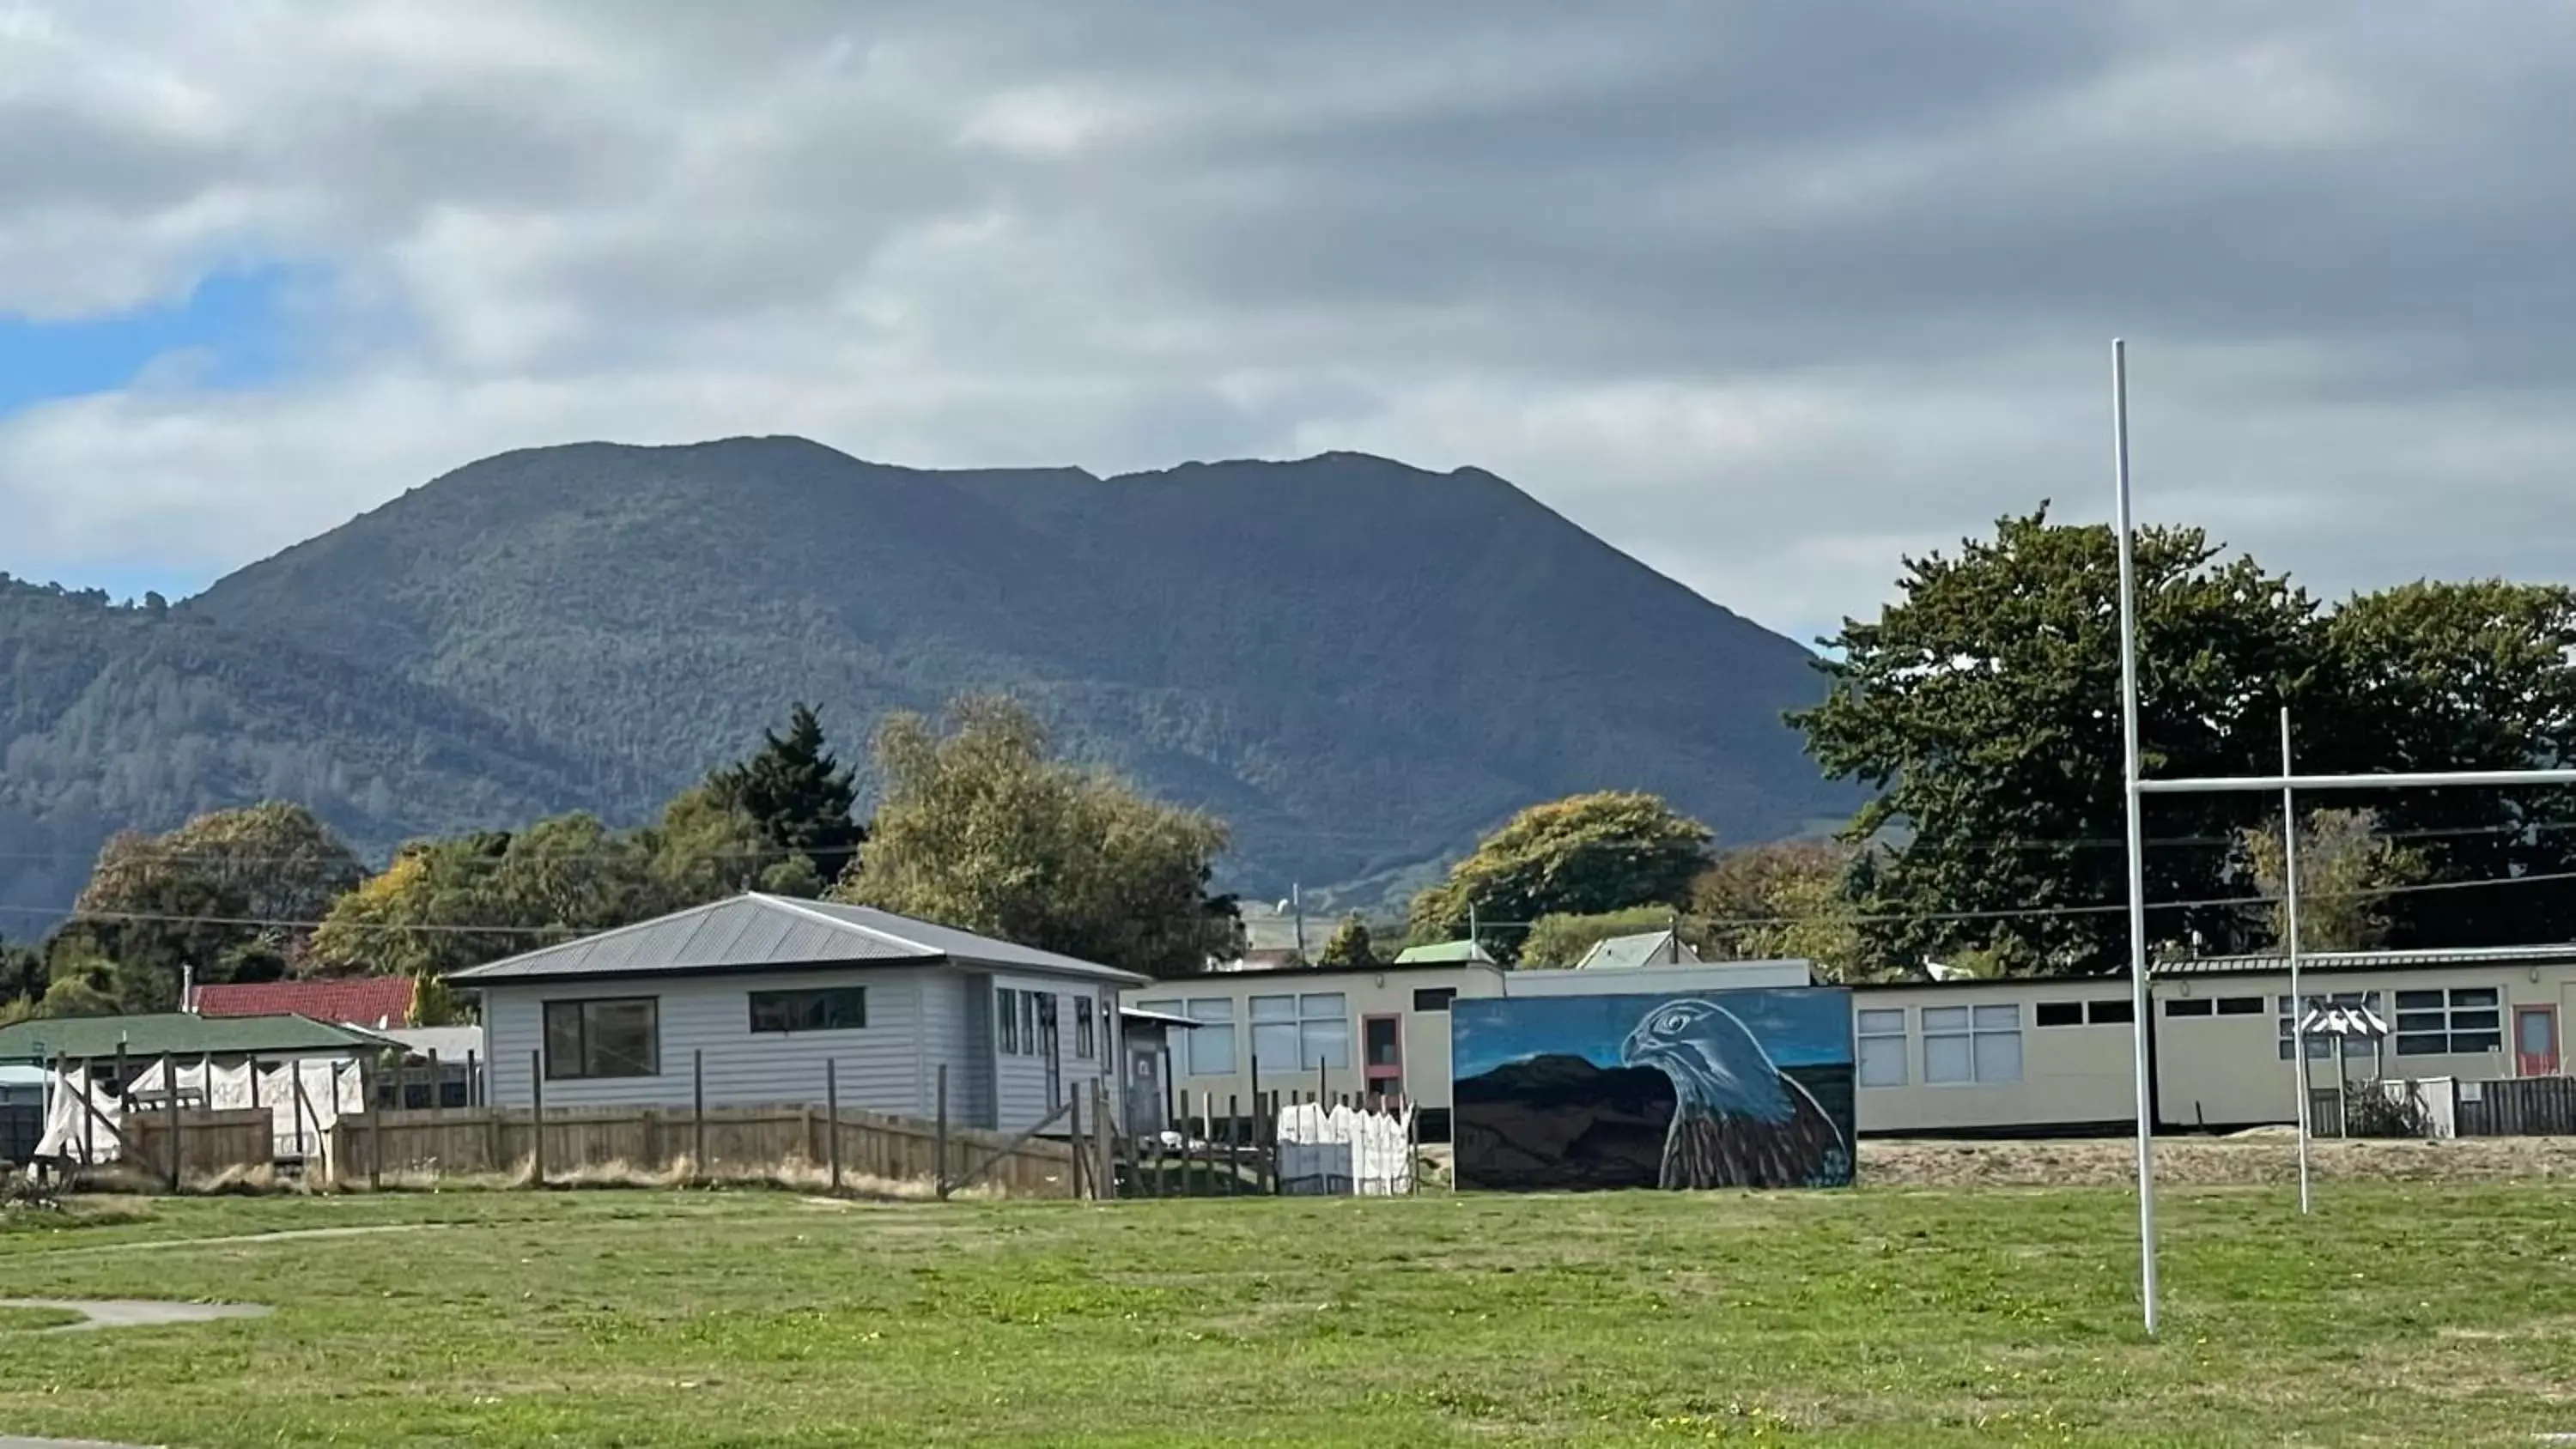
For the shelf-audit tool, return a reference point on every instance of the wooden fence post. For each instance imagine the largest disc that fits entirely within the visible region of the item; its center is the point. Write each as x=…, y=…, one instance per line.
x=375, y=1118
x=89, y=1105
x=1107, y=1176
x=939, y=1182
x=170, y=1114
x=698, y=1115
x=536, y=1120
x=832, y=1109
x=1073, y=1144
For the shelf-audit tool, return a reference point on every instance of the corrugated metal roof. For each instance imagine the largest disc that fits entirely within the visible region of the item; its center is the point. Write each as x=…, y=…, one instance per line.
x=1628, y=953
x=1449, y=953
x=177, y=1033
x=755, y=932
x=2364, y=960
x=368, y=1001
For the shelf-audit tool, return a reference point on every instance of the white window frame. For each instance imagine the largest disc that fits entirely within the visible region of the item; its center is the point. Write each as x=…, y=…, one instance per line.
x=1984, y=1029
x=1216, y=1025
x=1865, y=1030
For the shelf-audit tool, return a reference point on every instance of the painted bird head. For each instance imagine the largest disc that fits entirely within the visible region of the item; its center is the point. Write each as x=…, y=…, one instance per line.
x=1715, y=1064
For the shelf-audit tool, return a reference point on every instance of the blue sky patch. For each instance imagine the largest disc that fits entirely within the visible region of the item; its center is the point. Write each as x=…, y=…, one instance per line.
x=231, y=330
x=1800, y=1026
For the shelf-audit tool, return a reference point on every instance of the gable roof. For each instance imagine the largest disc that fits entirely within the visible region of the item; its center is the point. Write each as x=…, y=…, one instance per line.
x=368, y=1001
x=1455, y=953
x=756, y=932
x=177, y=1033
x=1628, y=953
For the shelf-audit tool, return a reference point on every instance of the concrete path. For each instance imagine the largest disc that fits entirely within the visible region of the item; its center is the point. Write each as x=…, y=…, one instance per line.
x=134, y=1313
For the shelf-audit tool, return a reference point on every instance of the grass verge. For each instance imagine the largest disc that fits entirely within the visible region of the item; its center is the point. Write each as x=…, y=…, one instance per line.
x=2401, y=1314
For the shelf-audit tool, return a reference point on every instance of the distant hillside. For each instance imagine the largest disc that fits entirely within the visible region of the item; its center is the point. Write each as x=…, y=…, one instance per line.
x=130, y=716
x=1361, y=665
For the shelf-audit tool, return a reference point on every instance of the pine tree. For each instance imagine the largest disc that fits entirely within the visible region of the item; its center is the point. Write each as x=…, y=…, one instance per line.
x=798, y=795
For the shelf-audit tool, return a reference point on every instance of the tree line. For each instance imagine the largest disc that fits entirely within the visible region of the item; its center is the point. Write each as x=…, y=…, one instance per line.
x=977, y=824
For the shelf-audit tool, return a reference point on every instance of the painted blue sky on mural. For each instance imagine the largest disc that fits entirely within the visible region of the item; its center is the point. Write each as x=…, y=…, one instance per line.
x=1801, y=1026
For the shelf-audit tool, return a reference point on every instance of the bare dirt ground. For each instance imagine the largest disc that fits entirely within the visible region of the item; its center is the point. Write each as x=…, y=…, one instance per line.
x=2248, y=1159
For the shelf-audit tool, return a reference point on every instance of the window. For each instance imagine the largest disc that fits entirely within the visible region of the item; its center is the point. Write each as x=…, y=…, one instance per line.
x=1434, y=998
x=1323, y=1030
x=1085, y=1039
x=1006, y=1010
x=1303, y=1032
x=2240, y=1006
x=2190, y=1006
x=2321, y=1048
x=2110, y=1013
x=1029, y=1022
x=2459, y=1022
x=1963, y=1044
x=1211, y=1049
x=620, y=1037
x=838, y=1008
x=1274, y=1033
x=1878, y=1056
x=2058, y=1013
x=1042, y=1042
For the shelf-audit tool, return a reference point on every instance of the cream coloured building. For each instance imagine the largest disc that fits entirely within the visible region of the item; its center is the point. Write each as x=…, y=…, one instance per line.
x=1383, y=1029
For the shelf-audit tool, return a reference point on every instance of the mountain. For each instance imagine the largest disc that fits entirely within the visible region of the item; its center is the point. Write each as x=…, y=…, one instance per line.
x=113, y=716
x=1359, y=664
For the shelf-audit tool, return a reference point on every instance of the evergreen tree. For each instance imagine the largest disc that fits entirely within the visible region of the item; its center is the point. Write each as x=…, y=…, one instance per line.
x=1350, y=948
x=797, y=795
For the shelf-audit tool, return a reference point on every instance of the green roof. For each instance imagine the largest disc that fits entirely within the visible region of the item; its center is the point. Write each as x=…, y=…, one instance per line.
x=1452, y=952
x=177, y=1033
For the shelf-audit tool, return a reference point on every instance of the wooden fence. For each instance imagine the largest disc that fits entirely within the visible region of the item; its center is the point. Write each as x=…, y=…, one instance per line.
x=718, y=1144
x=210, y=1143
x=2517, y=1107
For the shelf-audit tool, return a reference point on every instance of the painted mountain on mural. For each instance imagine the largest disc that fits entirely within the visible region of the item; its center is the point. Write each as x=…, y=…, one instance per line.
x=1359, y=664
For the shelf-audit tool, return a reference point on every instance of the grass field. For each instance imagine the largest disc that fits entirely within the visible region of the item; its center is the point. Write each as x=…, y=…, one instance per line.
x=2404, y=1314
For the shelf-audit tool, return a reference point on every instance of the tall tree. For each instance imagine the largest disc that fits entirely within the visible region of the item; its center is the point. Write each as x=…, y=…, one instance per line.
x=1982, y=708
x=2461, y=676
x=797, y=795
x=23, y=974
x=2346, y=871
x=1350, y=948
x=445, y=905
x=229, y=893
x=1788, y=899
x=980, y=827
x=1581, y=855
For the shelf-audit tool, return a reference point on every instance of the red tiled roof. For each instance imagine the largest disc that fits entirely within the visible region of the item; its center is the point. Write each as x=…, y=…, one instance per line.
x=367, y=1001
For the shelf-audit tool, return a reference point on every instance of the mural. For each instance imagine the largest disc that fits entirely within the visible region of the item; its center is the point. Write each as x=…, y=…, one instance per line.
x=1691, y=1090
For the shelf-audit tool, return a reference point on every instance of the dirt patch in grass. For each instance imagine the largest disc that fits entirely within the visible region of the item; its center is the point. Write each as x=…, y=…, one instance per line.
x=2248, y=1160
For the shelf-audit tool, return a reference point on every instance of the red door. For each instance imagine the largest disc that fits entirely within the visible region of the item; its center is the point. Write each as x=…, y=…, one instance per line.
x=2535, y=1041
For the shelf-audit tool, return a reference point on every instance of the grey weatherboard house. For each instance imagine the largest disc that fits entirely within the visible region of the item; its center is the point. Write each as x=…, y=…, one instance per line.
x=770, y=988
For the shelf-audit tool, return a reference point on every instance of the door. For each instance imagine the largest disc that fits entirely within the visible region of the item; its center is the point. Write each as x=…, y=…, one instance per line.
x=1147, y=1110
x=1382, y=1054
x=2535, y=1041
x=1049, y=1049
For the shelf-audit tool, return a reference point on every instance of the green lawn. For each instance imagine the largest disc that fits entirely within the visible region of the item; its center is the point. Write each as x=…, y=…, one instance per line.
x=2403, y=1314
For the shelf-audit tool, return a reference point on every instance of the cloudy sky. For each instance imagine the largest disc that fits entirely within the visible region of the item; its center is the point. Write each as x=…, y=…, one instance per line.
x=1765, y=294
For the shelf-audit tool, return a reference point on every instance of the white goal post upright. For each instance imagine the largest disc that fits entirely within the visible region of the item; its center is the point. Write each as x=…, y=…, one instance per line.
x=2138, y=787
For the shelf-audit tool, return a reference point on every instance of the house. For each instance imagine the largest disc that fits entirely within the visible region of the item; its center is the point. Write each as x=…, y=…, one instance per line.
x=137, y=1041
x=372, y=1002
x=1649, y=948
x=744, y=1001
x=22, y=1111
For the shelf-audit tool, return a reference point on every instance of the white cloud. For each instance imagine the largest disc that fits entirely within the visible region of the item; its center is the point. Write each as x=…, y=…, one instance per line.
x=1765, y=295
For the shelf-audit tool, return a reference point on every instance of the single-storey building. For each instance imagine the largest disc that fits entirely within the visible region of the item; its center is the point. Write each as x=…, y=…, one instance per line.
x=1380, y=1030
x=2055, y=1055
x=374, y=1003
x=746, y=1000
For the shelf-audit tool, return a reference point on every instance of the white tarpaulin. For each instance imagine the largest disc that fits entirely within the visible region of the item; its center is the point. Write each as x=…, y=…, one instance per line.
x=330, y=1086
x=1339, y=1151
